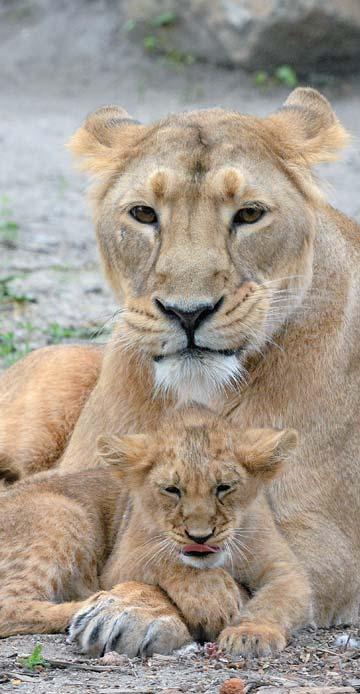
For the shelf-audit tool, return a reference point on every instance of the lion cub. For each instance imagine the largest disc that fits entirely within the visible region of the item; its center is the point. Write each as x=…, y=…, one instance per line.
x=176, y=524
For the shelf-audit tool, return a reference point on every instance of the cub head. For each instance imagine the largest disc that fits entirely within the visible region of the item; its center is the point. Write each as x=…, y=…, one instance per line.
x=205, y=223
x=193, y=483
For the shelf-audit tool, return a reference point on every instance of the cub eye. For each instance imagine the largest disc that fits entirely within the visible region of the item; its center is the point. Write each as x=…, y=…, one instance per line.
x=248, y=215
x=222, y=488
x=143, y=214
x=173, y=490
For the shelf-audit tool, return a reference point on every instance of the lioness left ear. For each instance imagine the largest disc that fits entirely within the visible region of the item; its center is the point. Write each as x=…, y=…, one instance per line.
x=105, y=138
x=264, y=451
x=128, y=453
x=306, y=129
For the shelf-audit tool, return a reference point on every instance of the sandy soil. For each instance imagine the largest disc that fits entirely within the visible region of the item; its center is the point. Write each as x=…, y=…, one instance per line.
x=51, y=290
x=313, y=659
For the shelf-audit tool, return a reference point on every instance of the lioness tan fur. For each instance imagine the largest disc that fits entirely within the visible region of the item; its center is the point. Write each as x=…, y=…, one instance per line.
x=185, y=514
x=240, y=288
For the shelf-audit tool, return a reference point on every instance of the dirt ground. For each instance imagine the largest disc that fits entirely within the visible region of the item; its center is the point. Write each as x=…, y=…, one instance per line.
x=313, y=659
x=51, y=290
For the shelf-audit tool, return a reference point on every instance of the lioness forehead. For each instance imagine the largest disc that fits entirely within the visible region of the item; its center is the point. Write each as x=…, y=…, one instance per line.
x=202, y=140
x=212, y=153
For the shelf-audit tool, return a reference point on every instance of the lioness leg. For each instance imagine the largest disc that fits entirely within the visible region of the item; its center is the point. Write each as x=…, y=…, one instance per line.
x=41, y=398
x=132, y=618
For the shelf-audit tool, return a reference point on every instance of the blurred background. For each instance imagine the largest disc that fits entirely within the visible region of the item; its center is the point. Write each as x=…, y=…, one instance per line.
x=60, y=59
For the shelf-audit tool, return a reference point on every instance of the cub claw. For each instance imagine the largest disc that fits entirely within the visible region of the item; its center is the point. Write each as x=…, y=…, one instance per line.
x=108, y=626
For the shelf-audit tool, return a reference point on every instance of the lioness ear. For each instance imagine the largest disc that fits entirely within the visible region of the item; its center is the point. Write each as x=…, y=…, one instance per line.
x=104, y=132
x=264, y=451
x=128, y=453
x=307, y=129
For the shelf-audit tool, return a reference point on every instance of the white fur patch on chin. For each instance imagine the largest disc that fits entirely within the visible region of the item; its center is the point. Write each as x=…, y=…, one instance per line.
x=209, y=562
x=196, y=378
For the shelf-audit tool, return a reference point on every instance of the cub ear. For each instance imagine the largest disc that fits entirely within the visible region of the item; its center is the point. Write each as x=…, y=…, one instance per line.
x=106, y=129
x=127, y=453
x=264, y=451
x=307, y=129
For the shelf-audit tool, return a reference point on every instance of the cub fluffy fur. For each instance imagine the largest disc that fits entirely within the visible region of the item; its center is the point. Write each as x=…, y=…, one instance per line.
x=172, y=533
x=242, y=237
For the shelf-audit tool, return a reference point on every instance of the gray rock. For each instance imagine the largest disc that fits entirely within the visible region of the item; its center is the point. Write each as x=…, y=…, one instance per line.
x=310, y=35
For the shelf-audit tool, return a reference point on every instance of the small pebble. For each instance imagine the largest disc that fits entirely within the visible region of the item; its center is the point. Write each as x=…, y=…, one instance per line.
x=233, y=686
x=187, y=651
x=211, y=650
x=347, y=641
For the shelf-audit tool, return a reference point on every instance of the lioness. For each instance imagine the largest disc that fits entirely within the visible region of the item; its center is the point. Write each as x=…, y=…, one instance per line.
x=188, y=517
x=240, y=288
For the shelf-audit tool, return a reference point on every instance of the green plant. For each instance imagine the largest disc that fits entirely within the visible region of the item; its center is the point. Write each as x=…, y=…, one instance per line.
x=35, y=659
x=178, y=59
x=285, y=74
x=9, y=229
x=150, y=43
x=10, y=350
x=129, y=26
x=58, y=332
x=7, y=344
x=157, y=41
x=165, y=19
x=262, y=78
x=8, y=295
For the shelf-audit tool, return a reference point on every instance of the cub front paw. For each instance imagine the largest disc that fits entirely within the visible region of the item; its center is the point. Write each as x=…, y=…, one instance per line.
x=105, y=624
x=251, y=639
x=211, y=605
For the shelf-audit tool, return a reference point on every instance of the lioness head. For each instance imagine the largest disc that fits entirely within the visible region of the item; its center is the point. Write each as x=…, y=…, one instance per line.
x=193, y=481
x=205, y=223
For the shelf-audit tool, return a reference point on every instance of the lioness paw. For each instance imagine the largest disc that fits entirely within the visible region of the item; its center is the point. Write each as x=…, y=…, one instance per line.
x=251, y=639
x=107, y=625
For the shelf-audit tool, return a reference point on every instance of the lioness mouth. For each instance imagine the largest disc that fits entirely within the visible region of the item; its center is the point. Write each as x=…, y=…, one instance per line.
x=195, y=550
x=198, y=352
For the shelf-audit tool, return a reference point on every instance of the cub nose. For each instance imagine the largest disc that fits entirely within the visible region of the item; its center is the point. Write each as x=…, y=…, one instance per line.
x=198, y=539
x=189, y=320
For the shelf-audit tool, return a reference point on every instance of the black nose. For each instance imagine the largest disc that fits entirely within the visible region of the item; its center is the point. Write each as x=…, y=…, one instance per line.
x=189, y=320
x=198, y=539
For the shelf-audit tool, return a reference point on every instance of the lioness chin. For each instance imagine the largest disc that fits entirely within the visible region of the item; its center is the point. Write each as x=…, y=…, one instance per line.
x=187, y=523
x=239, y=287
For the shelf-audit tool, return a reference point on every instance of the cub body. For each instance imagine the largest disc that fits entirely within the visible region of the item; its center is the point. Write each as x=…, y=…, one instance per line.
x=178, y=522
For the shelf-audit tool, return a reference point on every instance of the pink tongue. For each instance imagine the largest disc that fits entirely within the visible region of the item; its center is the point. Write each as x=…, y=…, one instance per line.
x=201, y=549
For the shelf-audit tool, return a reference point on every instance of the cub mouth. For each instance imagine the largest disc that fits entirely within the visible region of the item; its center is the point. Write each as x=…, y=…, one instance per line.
x=196, y=550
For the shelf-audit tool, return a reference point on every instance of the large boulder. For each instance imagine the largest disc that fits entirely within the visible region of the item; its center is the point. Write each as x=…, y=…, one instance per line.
x=309, y=35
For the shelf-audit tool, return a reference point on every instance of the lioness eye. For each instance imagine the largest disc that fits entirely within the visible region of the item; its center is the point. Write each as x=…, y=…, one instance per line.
x=173, y=490
x=143, y=214
x=222, y=488
x=248, y=215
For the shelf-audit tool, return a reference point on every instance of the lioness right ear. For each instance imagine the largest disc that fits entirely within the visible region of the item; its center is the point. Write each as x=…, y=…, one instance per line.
x=127, y=453
x=306, y=128
x=105, y=136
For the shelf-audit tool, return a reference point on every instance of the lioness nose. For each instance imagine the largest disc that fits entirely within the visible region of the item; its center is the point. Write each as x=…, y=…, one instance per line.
x=198, y=539
x=189, y=320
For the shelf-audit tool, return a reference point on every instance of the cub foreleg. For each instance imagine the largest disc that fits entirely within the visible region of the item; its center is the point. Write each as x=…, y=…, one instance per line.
x=132, y=618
